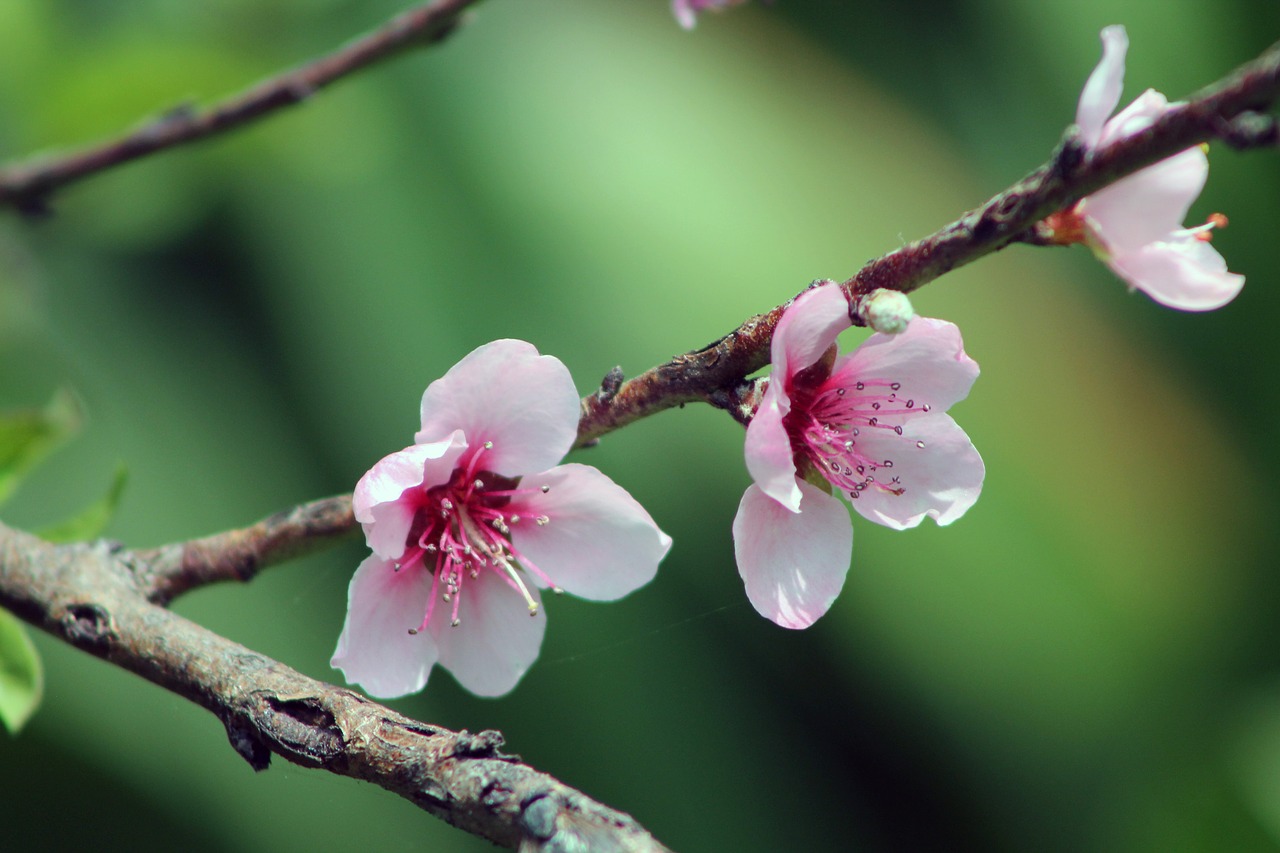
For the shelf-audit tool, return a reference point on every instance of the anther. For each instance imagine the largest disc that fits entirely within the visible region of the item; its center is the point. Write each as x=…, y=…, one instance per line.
x=840, y=392
x=488, y=445
x=898, y=430
x=455, y=623
x=542, y=519
x=546, y=489
x=860, y=385
x=920, y=444
x=897, y=386
x=446, y=504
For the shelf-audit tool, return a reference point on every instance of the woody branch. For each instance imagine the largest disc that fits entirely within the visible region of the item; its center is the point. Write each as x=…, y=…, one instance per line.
x=1231, y=110
x=96, y=598
x=27, y=185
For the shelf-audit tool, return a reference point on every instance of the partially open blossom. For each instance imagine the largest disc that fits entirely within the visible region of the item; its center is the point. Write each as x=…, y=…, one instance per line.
x=686, y=11
x=1135, y=225
x=468, y=523
x=870, y=424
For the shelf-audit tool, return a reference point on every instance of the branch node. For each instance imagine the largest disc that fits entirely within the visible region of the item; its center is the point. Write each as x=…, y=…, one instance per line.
x=538, y=816
x=1249, y=130
x=611, y=384
x=88, y=626
x=485, y=744
x=248, y=744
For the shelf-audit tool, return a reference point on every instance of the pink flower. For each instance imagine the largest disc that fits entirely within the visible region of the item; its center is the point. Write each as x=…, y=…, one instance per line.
x=470, y=521
x=870, y=424
x=686, y=10
x=1135, y=225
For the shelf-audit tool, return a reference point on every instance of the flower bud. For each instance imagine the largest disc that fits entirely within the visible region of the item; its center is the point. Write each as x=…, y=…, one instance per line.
x=886, y=311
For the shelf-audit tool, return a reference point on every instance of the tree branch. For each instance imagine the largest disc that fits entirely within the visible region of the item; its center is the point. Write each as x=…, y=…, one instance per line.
x=238, y=555
x=27, y=185
x=95, y=598
x=1228, y=110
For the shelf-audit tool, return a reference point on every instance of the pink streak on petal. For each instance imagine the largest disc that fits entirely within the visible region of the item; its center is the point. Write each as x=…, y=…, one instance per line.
x=941, y=480
x=1186, y=273
x=768, y=449
x=380, y=502
x=376, y=649
x=928, y=359
x=807, y=328
x=506, y=393
x=1149, y=204
x=496, y=641
x=1101, y=91
x=793, y=564
x=599, y=543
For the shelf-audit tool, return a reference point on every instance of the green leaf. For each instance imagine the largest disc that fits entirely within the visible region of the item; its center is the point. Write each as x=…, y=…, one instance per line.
x=92, y=520
x=29, y=435
x=21, y=676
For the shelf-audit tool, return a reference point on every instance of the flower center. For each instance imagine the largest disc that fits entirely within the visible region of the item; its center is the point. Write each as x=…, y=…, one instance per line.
x=834, y=422
x=462, y=529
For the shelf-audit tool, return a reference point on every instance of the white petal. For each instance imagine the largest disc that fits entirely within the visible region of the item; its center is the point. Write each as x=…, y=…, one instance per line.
x=941, y=480
x=928, y=359
x=1101, y=91
x=1187, y=274
x=793, y=564
x=376, y=649
x=496, y=639
x=1148, y=205
x=1139, y=115
x=598, y=543
x=504, y=392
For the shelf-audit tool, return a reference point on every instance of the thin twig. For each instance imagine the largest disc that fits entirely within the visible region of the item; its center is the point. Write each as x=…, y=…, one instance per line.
x=1227, y=110
x=238, y=555
x=90, y=596
x=27, y=185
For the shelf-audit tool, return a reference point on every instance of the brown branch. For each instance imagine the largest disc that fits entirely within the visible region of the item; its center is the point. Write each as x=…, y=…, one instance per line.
x=93, y=598
x=1227, y=110
x=27, y=185
x=238, y=555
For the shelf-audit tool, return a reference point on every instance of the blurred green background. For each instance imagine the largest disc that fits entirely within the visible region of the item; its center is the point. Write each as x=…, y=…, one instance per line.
x=1086, y=661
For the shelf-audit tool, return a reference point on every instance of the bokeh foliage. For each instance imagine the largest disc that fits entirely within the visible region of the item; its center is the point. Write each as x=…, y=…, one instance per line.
x=1086, y=661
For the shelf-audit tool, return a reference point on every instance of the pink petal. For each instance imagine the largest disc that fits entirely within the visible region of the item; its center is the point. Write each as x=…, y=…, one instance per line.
x=1102, y=90
x=1138, y=116
x=793, y=564
x=942, y=479
x=599, y=543
x=928, y=359
x=768, y=449
x=504, y=392
x=376, y=649
x=380, y=502
x=807, y=329
x=496, y=639
x=1149, y=204
x=1186, y=273
x=683, y=10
